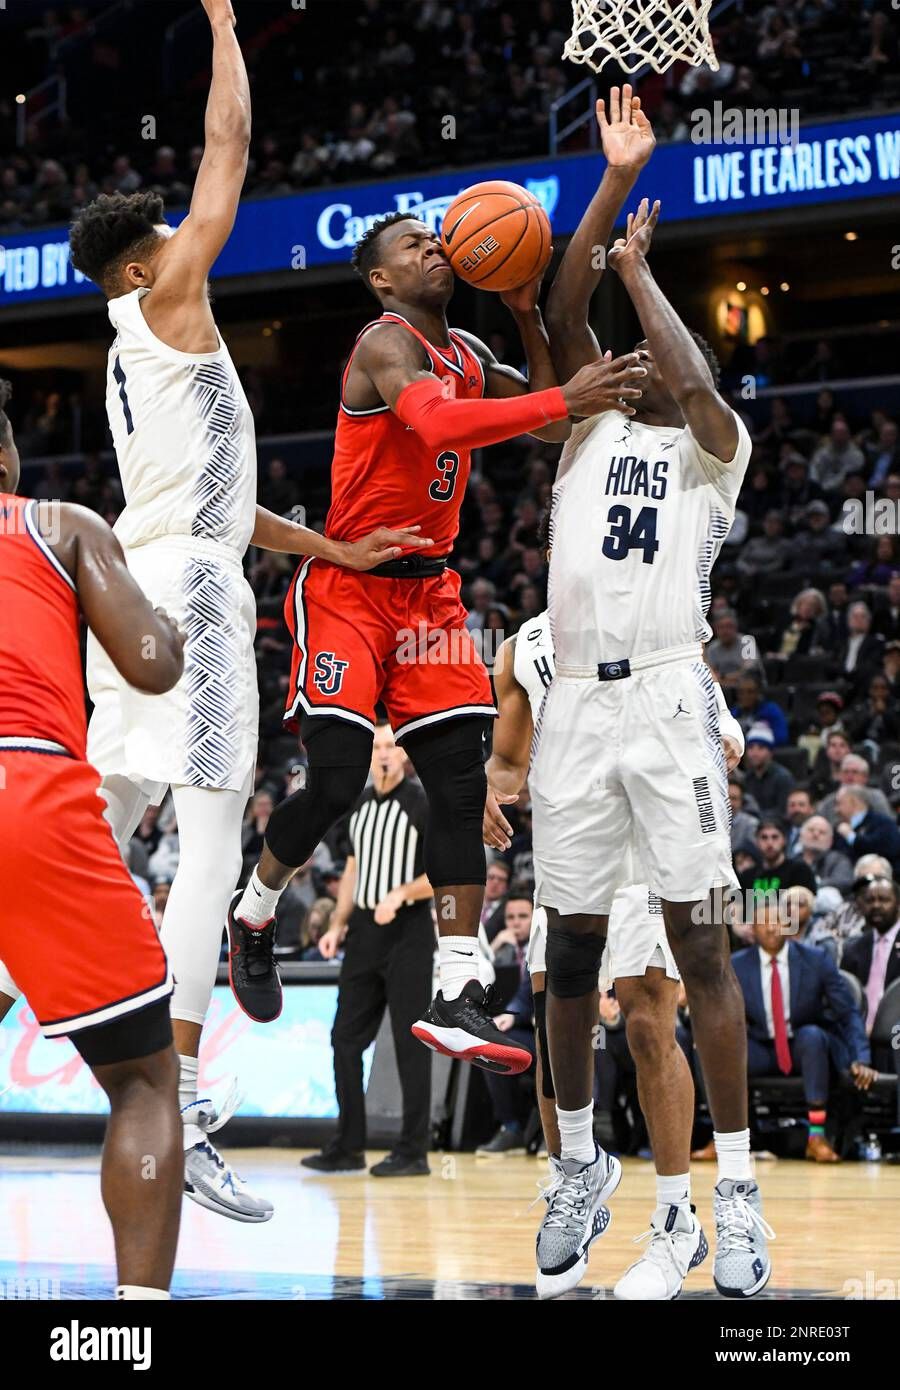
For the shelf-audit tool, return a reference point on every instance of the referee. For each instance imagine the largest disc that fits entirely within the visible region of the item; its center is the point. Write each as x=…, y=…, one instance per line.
x=383, y=919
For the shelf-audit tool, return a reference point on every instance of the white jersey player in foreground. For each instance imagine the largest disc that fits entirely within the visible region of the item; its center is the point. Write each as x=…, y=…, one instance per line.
x=186, y=448
x=630, y=749
x=638, y=960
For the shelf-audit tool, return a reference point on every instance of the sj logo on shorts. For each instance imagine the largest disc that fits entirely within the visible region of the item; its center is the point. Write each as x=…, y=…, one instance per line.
x=328, y=676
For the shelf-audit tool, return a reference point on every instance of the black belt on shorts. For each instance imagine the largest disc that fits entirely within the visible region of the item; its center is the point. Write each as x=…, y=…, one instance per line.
x=411, y=567
x=613, y=670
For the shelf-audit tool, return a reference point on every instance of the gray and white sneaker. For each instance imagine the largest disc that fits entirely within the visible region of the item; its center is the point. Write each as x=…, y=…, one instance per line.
x=213, y=1183
x=742, y=1266
x=677, y=1245
x=575, y=1217
x=208, y=1179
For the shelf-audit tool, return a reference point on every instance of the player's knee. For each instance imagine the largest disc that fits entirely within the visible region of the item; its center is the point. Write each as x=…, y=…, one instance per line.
x=456, y=785
x=142, y=1083
x=219, y=861
x=307, y=815
x=650, y=1035
x=703, y=958
x=450, y=766
x=573, y=962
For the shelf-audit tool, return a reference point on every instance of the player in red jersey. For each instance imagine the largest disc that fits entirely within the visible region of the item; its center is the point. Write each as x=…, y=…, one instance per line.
x=74, y=928
x=416, y=398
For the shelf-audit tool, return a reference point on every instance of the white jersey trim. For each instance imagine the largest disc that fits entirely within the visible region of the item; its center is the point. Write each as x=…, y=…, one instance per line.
x=488, y=711
x=34, y=533
x=120, y=1010
x=33, y=745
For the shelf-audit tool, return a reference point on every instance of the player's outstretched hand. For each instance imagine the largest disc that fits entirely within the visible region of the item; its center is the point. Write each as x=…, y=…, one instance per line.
x=380, y=546
x=496, y=829
x=626, y=134
x=524, y=299
x=220, y=11
x=605, y=385
x=635, y=244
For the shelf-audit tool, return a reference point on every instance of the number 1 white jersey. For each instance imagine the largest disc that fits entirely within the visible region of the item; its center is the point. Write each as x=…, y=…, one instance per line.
x=639, y=515
x=184, y=436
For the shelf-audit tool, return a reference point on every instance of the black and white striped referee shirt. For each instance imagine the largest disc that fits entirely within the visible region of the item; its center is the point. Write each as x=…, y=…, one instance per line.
x=386, y=834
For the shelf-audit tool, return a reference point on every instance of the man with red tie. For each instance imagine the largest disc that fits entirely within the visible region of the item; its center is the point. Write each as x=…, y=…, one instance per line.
x=874, y=957
x=802, y=1019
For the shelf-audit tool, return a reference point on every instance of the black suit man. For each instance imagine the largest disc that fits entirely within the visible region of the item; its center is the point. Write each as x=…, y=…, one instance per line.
x=786, y=988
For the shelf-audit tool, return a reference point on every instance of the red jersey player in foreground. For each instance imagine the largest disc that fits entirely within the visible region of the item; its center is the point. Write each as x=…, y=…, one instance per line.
x=96, y=973
x=416, y=398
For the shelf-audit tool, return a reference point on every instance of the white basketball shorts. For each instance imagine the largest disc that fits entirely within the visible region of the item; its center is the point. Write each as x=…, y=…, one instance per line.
x=204, y=732
x=632, y=761
x=635, y=939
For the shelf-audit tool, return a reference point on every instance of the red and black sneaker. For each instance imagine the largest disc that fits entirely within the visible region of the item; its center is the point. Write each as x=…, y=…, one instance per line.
x=464, y=1029
x=252, y=972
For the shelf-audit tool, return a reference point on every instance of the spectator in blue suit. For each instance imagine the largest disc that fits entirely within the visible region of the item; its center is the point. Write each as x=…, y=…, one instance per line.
x=802, y=1019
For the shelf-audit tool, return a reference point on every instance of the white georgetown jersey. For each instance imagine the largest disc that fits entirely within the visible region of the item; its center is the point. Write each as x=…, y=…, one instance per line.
x=184, y=437
x=639, y=515
x=533, y=665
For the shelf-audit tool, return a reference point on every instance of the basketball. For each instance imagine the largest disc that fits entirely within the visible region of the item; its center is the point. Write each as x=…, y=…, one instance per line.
x=497, y=236
x=322, y=507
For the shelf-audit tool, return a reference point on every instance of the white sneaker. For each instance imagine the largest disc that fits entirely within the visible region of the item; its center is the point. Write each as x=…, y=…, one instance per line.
x=208, y=1179
x=677, y=1245
x=742, y=1266
x=576, y=1215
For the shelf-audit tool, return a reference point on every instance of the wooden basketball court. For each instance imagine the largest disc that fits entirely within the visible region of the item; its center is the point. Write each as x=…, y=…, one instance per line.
x=466, y=1232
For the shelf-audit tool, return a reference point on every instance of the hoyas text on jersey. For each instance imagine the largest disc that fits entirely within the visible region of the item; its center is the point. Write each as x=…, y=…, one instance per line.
x=631, y=477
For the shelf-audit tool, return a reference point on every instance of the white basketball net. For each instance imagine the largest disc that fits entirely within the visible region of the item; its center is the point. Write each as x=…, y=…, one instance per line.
x=637, y=32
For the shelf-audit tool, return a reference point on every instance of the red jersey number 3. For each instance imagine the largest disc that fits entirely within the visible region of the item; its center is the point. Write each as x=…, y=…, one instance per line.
x=443, y=488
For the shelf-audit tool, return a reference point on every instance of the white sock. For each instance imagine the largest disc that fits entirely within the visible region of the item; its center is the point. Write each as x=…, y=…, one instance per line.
x=733, y=1153
x=187, y=1095
x=576, y=1133
x=257, y=906
x=134, y=1291
x=673, y=1191
x=458, y=956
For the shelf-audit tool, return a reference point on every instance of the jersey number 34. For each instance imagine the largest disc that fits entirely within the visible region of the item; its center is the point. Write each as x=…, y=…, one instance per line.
x=624, y=537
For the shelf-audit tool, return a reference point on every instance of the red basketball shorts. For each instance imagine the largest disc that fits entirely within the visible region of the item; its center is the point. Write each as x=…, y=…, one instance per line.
x=75, y=932
x=361, y=639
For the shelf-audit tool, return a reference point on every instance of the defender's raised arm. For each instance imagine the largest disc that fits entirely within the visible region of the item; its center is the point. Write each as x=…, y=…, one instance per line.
x=184, y=264
x=628, y=143
x=681, y=363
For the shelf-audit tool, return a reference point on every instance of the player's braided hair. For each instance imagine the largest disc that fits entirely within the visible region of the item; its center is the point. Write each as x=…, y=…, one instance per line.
x=709, y=357
x=364, y=258
x=112, y=230
x=5, y=426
